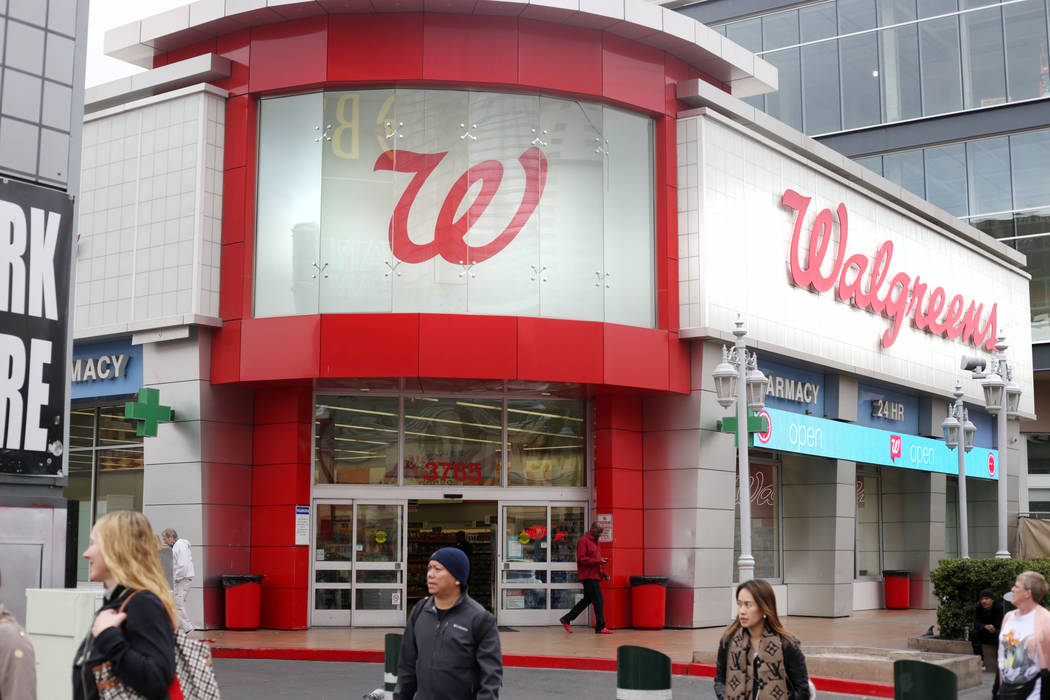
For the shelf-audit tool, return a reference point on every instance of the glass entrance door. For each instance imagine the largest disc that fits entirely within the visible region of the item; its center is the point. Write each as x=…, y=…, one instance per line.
x=358, y=567
x=537, y=582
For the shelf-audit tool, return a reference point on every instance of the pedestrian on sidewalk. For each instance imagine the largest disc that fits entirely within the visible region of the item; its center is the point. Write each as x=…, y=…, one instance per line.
x=987, y=621
x=589, y=571
x=134, y=631
x=182, y=571
x=17, y=660
x=450, y=649
x=1024, y=642
x=757, y=658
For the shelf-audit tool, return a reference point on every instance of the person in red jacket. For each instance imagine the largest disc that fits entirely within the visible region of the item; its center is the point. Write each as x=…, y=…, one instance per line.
x=589, y=571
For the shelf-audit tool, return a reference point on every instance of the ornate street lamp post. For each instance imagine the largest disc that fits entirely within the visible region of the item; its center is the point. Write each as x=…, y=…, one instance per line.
x=737, y=379
x=1002, y=398
x=960, y=432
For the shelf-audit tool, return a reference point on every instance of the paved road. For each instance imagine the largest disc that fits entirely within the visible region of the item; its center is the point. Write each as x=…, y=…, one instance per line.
x=255, y=679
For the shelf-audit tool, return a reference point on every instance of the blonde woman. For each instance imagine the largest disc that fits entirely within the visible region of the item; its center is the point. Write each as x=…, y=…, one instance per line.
x=138, y=642
x=757, y=658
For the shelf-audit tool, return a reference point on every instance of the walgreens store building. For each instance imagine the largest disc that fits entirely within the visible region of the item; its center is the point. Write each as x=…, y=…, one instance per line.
x=416, y=273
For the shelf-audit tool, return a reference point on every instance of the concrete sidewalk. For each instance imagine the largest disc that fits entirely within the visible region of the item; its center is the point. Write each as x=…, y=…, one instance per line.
x=888, y=629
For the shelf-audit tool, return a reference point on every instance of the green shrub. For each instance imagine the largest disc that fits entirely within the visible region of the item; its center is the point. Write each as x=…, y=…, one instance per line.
x=958, y=582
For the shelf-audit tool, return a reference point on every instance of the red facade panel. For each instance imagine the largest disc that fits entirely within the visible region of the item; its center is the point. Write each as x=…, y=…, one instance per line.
x=627, y=527
x=479, y=347
x=236, y=46
x=234, y=184
x=632, y=73
x=231, y=281
x=238, y=134
x=273, y=526
x=226, y=353
x=558, y=57
x=283, y=404
x=635, y=356
x=288, y=347
x=621, y=449
x=624, y=562
x=283, y=608
x=470, y=49
x=369, y=345
x=277, y=484
x=289, y=54
x=375, y=47
x=618, y=488
x=618, y=412
x=281, y=443
x=555, y=350
x=283, y=567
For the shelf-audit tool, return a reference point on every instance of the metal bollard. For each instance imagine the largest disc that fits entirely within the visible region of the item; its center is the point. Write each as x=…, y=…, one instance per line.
x=392, y=649
x=642, y=674
x=918, y=680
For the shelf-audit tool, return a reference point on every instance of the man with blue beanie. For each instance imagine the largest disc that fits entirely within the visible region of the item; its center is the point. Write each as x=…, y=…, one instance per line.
x=450, y=650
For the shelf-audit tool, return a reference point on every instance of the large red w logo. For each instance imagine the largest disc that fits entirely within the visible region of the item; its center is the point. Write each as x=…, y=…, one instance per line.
x=448, y=233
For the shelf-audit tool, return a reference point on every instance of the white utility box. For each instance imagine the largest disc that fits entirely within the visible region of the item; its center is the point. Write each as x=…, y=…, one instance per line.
x=57, y=619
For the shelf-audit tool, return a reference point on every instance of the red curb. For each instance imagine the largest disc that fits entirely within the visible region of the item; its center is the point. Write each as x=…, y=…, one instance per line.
x=358, y=655
x=581, y=663
x=831, y=685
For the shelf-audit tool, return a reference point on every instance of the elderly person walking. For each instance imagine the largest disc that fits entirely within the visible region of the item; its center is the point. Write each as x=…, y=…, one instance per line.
x=182, y=570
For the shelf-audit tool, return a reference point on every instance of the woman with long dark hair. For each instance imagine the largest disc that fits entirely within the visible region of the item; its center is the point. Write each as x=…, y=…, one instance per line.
x=757, y=658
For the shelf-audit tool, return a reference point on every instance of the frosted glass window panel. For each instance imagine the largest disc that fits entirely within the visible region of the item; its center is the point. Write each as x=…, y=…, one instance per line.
x=431, y=120
x=508, y=153
x=1024, y=27
x=629, y=265
x=786, y=103
x=941, y=65
x=856, y=15
x=747, y=33
x=906, y=169
x=817, y=21
x=287, y=225
x=932, y=8
x=1030, y=165
x=571, y=229
x=899, y=73
x=946, y=178
x=988, y=175
x=357, y=204
x=984, y=59
x=779, y=30
x=860, y=81
x=869, y=532
x=547, y=442
x=355, y=440
x=820, y=80
x=895, y=11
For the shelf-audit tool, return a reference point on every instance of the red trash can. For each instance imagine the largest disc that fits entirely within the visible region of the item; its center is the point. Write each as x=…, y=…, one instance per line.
x=648, y=602
x=243, y=596
x=897, y=586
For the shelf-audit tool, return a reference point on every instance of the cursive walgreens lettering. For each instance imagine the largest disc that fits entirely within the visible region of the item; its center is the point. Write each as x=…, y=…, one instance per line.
x=901, y=298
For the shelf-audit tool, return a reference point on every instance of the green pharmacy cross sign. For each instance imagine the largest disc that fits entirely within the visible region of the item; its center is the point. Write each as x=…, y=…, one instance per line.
x=148, y=411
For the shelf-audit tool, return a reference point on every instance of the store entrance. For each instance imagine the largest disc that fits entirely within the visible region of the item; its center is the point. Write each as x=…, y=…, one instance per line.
x=469, y=525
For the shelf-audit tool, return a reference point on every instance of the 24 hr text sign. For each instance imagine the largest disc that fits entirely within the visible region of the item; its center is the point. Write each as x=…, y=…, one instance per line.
x=36, y=226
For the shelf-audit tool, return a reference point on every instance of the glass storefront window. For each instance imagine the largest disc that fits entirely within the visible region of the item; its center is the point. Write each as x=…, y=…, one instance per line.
x=355, y=440
x=453, y=201
x=453, y=441
x=378, y=533
x=526, y=533
x=567, y=528
x=869, y=530
x=765, y=522
x=547, y=443
x=105, y=470
x=334, y=535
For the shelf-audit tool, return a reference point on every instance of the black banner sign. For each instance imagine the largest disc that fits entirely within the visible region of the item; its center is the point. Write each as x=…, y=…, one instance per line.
x=36, y=228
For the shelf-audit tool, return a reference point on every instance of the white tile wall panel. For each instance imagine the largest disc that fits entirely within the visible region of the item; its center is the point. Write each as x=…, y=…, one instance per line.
x=144, y=237
x=732, y=221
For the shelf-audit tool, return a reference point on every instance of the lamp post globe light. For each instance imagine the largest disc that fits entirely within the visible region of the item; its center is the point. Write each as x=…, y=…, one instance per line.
x=959, y=432
x=1002, y=398
x=738, y=380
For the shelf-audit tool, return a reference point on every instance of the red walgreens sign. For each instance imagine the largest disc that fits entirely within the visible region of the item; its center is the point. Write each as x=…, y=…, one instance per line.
x=901, y=297
x=449, y=232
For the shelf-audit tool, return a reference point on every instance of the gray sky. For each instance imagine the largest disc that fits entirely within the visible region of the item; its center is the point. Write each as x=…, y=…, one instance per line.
x=106, y=14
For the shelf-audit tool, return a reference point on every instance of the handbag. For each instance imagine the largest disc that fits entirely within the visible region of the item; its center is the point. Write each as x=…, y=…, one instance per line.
x=1016, y=691
x=194, y=673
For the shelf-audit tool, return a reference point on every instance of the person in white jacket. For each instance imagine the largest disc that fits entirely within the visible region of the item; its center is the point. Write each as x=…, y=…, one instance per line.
x=182, y=568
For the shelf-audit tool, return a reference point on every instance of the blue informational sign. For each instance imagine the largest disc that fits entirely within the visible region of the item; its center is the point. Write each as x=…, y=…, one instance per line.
x=792, y=432
x=109, y=368
x=793, y=389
